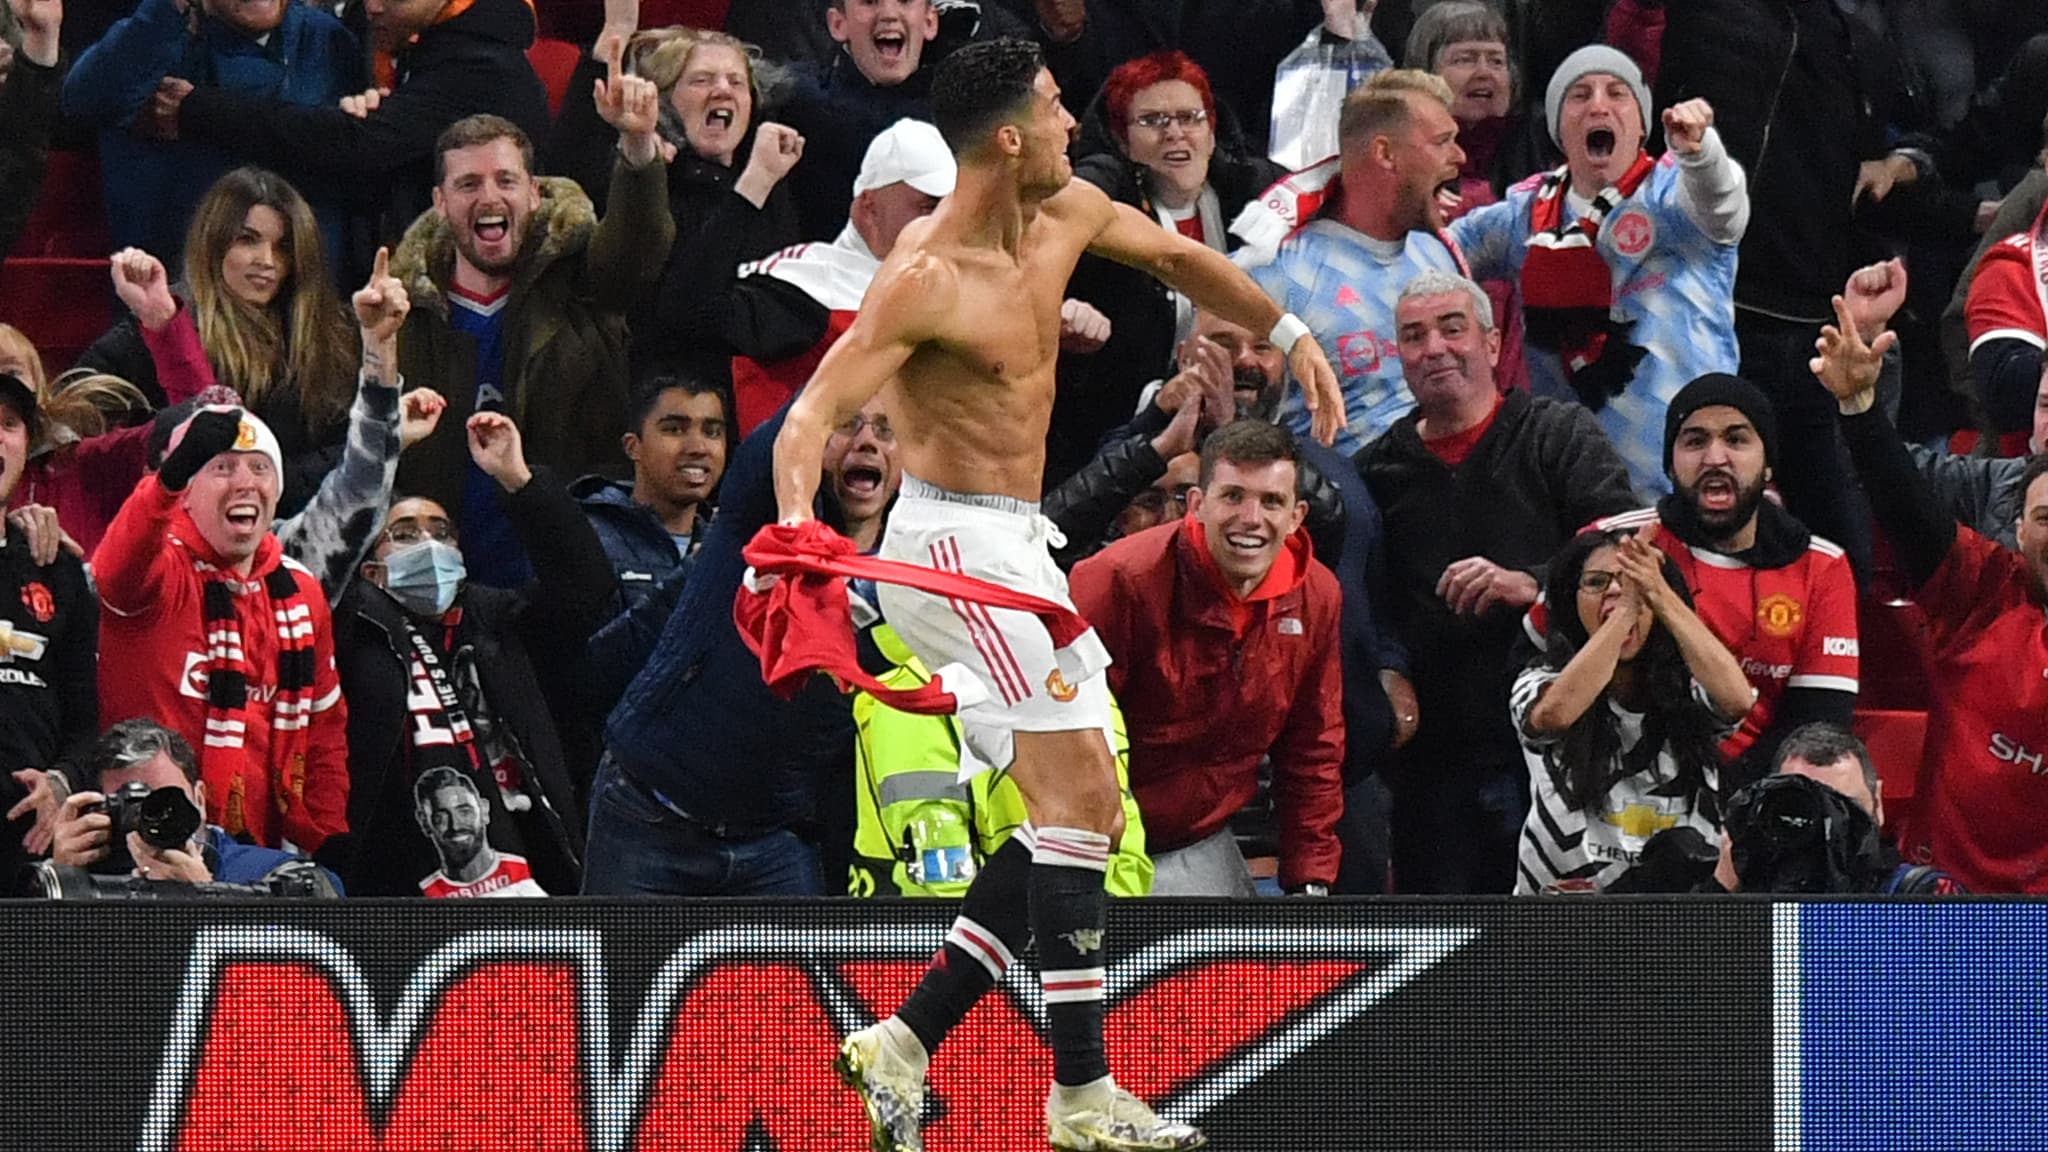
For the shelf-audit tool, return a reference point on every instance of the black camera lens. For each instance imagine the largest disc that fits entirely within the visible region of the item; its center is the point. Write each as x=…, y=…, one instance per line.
x=167, y=819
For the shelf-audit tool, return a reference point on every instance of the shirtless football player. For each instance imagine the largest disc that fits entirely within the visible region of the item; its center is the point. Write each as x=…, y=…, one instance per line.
x=960, y=327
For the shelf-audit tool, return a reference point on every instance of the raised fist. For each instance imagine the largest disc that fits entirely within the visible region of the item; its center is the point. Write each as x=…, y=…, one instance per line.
x=777, y=148
x=144, y=287
x=1685, y=126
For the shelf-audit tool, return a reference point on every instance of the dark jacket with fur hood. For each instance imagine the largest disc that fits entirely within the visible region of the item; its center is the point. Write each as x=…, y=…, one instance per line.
x=564, y=337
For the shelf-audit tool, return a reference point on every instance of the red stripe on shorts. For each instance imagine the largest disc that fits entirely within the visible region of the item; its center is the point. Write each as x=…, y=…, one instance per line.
x=944, y=562
x=995, y=634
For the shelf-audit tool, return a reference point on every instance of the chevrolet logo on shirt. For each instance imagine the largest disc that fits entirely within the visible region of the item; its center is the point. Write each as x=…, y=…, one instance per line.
x=1640, y=820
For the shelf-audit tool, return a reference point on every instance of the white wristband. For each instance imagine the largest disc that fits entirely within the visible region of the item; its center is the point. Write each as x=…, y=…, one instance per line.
x=1289, y=330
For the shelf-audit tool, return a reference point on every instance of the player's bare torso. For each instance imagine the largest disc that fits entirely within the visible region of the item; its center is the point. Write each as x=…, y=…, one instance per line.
x=972, y=404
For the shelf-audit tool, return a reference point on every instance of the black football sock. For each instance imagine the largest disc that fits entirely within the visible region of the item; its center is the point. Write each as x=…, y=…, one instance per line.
x=980, y=947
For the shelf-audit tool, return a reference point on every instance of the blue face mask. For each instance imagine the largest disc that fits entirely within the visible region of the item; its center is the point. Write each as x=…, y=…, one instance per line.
x=425, y=576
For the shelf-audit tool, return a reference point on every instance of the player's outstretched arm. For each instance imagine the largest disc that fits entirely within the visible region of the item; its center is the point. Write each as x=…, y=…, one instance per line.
x=901, y=310
x=1208, y=278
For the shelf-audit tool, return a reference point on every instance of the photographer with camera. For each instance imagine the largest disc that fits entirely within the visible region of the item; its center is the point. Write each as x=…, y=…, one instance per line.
x=151, y=795
x=1813, y=825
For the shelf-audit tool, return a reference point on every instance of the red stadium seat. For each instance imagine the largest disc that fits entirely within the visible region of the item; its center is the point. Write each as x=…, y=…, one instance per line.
x=69, y=218
x=578, y=21
x=687, y=13
x=1892, y=641
x=61, y=304
x=554, y=61
x=1896, y=739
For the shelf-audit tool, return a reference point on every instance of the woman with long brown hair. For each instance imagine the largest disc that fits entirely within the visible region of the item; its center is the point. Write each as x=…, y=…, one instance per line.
x=257, y=313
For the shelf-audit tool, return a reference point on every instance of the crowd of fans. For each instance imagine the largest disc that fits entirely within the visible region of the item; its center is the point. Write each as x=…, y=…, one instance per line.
x=397, y=519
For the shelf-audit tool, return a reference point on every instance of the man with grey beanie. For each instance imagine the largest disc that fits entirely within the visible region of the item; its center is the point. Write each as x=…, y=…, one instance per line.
x=1626, y=264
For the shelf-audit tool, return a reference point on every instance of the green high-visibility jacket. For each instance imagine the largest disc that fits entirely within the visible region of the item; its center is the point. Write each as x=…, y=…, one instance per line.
x=923, y=833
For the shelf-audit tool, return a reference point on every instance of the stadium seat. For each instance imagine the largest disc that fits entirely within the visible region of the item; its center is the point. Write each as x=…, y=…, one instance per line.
x=578, y=21
x=554, y=61
x=62, y=304
x=688, y=13
x=69, y=219
x=1896, y=738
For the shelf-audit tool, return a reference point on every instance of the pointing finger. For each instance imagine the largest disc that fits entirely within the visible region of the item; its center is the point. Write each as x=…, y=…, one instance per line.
x=1844, y=320
x=614, y=65
x=380, y=269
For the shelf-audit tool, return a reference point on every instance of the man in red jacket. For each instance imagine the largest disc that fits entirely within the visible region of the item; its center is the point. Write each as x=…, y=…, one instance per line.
x=1223, y=628
x=207, y=628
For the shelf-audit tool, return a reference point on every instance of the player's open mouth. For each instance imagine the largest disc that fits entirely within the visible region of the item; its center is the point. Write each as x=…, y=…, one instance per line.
x=1600, y=143
x=890, y=45
x=860, y=480
x=491, y=229
x=243, y=516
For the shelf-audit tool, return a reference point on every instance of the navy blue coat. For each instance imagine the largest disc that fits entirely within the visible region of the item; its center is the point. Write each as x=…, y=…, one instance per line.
x=697, y=723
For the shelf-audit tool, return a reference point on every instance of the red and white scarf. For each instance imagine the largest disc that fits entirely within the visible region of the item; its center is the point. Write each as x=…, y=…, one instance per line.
x=227, y=684
x=1568, y=290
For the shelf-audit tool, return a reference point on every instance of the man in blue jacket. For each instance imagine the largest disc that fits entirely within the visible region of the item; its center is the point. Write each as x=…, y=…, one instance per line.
x=678, y=440
x=709, y=784
x=274, y=49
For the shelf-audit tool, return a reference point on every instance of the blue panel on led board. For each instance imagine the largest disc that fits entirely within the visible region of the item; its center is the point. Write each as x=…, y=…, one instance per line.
x=1924, y=1027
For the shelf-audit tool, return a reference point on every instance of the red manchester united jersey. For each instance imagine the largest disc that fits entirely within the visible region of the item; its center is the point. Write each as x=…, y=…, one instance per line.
x=2004, y=302
x=1983, y=775
x=1791, y=627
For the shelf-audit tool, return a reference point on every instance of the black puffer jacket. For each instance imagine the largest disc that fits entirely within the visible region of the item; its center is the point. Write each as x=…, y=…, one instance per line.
x=1099, y=392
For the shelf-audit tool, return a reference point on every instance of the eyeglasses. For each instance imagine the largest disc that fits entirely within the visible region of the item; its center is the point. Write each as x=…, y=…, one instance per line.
x=1597, y=583
x=1185, y=117
x=411, y=530
x=879, y=426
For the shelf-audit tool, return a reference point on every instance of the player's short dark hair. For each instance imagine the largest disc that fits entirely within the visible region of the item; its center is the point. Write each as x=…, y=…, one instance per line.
x=982, y=86
x=1822, y=744
x=2037, y=467
x=135, y=742
x=436, y=778
x=481, y=128
x=1248, y=441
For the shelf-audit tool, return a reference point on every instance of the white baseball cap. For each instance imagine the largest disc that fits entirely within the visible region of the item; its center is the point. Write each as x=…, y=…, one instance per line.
x=909, y=152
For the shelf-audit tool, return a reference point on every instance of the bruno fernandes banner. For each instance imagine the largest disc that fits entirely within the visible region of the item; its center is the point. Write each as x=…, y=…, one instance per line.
x=617, y=1027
